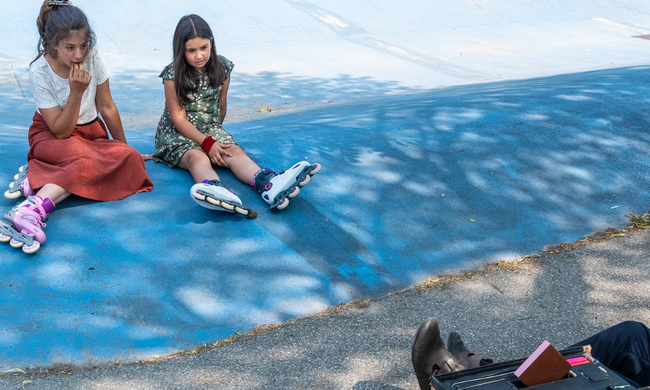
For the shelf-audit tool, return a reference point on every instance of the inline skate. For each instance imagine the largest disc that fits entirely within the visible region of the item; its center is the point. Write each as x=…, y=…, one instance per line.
x=21, y=226
x=20, y=185
x=215, y=196
x=277, y=188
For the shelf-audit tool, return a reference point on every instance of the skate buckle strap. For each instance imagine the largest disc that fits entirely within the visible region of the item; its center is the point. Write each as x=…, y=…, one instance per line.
x=36, y=217
x=36, y=204
x=262, y=180
x=255, y=177
x=215, y=182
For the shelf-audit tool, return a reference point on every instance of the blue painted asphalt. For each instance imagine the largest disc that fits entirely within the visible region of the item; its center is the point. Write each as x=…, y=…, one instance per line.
x=413, y=184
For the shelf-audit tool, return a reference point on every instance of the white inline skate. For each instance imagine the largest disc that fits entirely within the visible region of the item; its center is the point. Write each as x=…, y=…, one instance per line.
x=215, y=196
x=21, y=226
x=277, y=188
x=20, y=185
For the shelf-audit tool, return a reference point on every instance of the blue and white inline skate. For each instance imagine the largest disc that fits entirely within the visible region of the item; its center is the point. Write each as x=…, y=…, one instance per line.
x=22, y=225
x=215, y=196
x=20, y=185
x=277, y=188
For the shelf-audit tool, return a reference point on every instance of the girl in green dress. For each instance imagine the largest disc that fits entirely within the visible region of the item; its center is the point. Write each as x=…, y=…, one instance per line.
x=190, y=135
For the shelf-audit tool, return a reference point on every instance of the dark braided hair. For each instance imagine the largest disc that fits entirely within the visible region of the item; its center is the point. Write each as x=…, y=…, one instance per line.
x=57, y=22
x=190, y=27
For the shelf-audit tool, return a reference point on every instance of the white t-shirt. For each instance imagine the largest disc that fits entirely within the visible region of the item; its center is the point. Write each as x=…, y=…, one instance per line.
x=50, y=90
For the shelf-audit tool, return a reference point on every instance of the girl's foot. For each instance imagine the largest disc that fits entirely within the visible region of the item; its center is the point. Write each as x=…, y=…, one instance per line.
x=21, y=226
x=277, y=188
x=20, y=185
x=213, y=195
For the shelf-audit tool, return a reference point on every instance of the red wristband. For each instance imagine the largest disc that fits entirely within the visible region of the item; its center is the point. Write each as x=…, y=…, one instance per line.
x=207, y=143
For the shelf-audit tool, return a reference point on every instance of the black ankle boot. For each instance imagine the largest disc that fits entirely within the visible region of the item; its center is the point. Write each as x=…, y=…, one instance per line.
x=462, y=354
x=429, y=355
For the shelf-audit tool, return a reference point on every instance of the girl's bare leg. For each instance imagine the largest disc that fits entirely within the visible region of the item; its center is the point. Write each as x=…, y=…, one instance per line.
x=199, y=165
x=241, y=165
x=54, y=192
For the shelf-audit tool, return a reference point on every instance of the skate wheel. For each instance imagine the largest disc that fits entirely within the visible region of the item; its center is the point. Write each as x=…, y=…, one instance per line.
x=16, y=244
x=316, y=169
x=304, y=181
x=21, y=169
x=227, y=206
x=294, y=192
x=11, y=185
x=251, y=214
x=32, y=248
x=12, y=195
x=16, y=176
x=213, y=201
x=4, y=238
x=198, y=196
x=283, y=204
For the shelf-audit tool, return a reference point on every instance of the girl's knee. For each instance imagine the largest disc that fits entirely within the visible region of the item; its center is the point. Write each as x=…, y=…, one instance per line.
x=238, y=155
x=237, y=151
x=195, y=157
x=133, y=153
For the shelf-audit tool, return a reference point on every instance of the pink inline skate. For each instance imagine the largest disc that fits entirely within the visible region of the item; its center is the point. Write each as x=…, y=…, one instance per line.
x=21, y=226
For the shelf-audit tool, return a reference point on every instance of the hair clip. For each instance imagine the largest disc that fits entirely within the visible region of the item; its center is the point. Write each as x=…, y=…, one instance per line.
x=59, y=2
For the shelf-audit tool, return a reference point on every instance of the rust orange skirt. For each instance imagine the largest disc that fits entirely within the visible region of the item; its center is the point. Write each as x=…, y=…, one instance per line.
x=87, y=164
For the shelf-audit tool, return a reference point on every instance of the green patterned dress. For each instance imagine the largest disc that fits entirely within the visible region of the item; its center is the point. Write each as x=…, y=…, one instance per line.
x=201, y=109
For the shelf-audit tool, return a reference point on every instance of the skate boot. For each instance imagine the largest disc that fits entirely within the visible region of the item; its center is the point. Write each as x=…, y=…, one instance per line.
x=21, y=226
x=213, y=195
x=20, y=185
x=277, y=188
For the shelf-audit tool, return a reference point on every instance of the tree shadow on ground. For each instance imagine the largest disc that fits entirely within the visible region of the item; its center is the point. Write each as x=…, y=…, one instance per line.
x=504, y=315
x=412, y=185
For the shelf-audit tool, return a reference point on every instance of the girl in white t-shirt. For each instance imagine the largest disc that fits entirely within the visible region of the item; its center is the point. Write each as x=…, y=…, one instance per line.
x=70, y=151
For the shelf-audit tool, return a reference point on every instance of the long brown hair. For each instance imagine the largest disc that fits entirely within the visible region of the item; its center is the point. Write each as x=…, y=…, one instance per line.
x=57, y=22
x=190, y=27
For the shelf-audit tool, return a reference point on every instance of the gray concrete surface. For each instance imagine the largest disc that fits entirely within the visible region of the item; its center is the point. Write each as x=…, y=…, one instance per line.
x=506, y=314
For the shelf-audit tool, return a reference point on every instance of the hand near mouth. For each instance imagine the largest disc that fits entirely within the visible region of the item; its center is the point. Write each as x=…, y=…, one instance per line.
x=79, y=79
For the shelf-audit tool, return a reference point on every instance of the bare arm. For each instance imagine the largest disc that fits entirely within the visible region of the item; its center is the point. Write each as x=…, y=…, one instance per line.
x=63, y=122
x=186, y=128
x=223, y=100
x=177, y=114
x=109, y=111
